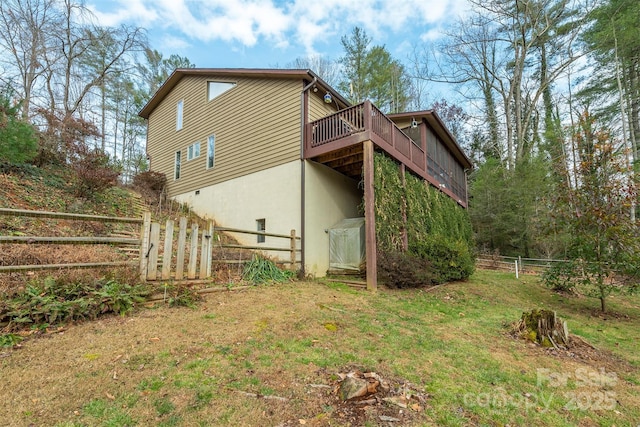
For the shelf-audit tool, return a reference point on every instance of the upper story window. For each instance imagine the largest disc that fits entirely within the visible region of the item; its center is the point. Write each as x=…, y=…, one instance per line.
x=193, y=151
x=211, y=151
x=215, y=89
x=179, y=111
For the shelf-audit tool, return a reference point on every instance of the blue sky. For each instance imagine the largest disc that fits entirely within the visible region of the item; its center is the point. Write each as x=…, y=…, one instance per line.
x=266, y=33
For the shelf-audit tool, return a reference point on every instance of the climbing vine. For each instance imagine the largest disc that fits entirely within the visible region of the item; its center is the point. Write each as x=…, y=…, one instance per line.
x=438, y=230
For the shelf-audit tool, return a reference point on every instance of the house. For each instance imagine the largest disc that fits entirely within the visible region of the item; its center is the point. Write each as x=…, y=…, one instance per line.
x=276, y=150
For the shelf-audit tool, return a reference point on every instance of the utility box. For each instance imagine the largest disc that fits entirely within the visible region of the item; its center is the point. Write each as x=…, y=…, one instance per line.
x=347, y=246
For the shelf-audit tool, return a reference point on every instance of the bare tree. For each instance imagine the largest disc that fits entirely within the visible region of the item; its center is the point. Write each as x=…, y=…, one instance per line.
x=328, y=70
x=26, y=27
x=510, y=54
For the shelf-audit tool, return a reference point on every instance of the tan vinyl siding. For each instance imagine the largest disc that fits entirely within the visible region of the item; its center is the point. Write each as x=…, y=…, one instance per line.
x=256, y=125
x=317, y=107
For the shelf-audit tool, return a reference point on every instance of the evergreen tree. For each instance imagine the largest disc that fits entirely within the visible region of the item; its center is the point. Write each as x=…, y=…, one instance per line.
x=18, y=138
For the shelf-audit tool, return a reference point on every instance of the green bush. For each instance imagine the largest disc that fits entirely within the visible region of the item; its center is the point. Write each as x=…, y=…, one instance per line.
x=52, y=302
x=450, y=259
x=404, y=270
x=561, y=276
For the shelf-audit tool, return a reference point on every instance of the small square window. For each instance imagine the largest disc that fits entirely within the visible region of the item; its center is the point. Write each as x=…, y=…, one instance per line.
x=261, y=226
x=193, y=151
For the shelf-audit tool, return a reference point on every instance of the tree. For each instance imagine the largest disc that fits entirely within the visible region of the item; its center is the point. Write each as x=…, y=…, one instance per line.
x=26, y=27
x=509, y=209
x=371, y=73
x=156, y=69
x=508, y=55
x=356, y=47
x=18, y=138
x=454, y=117
x=604, y=249
x=328, y=70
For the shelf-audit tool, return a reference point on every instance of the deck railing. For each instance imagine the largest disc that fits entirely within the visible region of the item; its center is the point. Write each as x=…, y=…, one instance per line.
x=355, y=124
x=367, y=117
x=336, y=126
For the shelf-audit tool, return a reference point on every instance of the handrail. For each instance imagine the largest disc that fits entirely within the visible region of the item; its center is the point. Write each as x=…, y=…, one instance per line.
x=366, y=119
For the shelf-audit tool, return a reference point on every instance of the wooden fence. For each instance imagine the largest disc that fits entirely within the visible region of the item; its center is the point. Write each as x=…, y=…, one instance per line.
x=189, y=256
x=114, y=241
x=163, y=253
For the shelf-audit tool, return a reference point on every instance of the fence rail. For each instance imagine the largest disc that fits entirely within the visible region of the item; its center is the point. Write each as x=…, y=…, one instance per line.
x=517, y=265
x=28, y=240
x=185, y=256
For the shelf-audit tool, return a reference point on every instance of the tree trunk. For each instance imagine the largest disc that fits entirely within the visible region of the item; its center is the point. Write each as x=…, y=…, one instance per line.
x=543, y=327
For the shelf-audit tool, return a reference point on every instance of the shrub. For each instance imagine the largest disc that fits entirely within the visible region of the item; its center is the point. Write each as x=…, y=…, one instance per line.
x=450, y=259
x=150, y=184
x=404, y=270
x=261, y=270
x=94, y=171
x=52, y=301
x=561, y=276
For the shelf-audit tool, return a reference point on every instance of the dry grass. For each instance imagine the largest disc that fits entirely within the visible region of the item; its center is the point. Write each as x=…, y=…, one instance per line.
x=231, y=360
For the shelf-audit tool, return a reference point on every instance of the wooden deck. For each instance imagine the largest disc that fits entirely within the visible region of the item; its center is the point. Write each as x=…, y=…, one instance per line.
x=337, y=141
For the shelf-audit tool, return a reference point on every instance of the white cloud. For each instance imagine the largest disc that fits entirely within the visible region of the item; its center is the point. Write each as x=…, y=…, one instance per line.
x=123, y=11
x=311, y=24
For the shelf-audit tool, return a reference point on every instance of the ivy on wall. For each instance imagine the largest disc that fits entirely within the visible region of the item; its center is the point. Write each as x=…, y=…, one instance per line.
x=437, y=228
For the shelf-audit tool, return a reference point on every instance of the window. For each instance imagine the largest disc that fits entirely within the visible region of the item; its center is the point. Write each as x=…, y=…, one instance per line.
x=211, y=151
x=179, y=108
x=176, y=173
x=215, y=89
x=262, y=226
x=193, y=151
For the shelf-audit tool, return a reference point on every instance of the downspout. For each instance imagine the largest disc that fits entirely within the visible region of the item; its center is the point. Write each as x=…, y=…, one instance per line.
x=303, y=121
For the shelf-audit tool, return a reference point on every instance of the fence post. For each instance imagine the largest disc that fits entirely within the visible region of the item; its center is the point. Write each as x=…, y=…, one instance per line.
x=144, y=244
x=204, y=250
x=154, y=242
x=210, y=248
x=182, y=242
x=193, y=253
x=517, y=275
x=293, y=249
x=168, y=250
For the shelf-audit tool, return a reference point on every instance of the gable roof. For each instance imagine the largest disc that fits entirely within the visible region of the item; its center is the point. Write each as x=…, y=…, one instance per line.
x=179, y=73
x=431, y=117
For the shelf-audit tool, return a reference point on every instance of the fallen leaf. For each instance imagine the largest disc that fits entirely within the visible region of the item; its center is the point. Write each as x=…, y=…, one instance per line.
x=331, y=327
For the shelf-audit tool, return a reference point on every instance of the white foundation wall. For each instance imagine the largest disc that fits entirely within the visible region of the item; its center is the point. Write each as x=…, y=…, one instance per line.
x=329, y=198
x=272, y=194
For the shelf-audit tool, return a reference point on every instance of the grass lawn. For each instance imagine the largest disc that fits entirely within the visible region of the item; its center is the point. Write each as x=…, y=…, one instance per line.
x=272, y=355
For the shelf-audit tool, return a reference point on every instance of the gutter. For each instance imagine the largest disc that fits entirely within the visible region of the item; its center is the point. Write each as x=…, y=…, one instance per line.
x=302, y=176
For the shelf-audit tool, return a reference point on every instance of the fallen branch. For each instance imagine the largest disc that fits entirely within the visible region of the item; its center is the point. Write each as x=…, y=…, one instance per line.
x=261, y=396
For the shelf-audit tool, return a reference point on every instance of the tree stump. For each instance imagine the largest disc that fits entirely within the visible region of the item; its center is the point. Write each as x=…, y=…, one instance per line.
x=544, y=327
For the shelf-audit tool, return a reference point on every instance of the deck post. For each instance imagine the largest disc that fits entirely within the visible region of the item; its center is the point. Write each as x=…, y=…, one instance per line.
x=367, y=115
x=369, y=215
